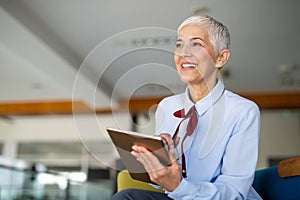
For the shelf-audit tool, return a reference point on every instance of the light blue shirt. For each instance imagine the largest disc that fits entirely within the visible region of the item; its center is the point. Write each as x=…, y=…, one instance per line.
x=221, y=154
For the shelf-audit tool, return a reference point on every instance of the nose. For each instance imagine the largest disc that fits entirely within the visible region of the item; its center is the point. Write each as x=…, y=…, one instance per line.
x=185, y=52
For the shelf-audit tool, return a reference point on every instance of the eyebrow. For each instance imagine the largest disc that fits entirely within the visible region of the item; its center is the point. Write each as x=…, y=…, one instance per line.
x=194, y=38
x=197, y=38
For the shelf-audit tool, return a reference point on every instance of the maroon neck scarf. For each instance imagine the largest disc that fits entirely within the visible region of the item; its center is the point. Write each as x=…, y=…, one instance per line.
x=192, y=123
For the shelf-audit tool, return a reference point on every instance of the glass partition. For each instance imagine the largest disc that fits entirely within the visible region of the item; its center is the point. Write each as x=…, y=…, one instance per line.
x=27, y=185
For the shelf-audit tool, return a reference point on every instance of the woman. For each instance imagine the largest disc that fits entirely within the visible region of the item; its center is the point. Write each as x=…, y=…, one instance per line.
x=212, y=133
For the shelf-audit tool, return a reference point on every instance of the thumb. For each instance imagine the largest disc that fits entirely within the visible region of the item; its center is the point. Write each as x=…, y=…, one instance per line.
x=172, y=152
x=177, y=141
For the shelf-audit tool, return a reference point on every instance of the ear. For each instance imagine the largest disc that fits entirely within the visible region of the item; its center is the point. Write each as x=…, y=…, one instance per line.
x=222, y=58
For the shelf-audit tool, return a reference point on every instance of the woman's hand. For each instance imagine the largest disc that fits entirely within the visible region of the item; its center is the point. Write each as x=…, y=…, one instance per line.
x=168, y=177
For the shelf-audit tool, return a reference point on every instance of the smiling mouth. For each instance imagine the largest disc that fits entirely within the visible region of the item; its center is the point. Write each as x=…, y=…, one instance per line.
x=189, y=65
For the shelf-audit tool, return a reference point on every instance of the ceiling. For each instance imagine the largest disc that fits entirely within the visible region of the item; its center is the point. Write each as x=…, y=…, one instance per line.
x=102, y=51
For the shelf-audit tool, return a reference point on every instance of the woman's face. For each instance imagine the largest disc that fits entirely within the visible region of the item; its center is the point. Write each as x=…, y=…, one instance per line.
x=194, y=55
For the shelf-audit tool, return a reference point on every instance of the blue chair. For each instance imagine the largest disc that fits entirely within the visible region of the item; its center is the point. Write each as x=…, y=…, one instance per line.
x=280, y=182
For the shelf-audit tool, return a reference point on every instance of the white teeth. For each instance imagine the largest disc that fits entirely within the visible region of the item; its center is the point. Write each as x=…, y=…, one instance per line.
x=189, y=65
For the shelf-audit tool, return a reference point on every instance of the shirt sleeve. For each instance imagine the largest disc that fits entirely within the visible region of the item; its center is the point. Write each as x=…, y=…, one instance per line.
x=237, y=168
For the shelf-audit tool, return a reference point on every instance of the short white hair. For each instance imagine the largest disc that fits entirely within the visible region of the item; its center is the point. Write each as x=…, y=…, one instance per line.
x=218, y=33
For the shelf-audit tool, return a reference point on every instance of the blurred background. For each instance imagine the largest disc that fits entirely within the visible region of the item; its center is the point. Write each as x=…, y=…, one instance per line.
x=71, y=68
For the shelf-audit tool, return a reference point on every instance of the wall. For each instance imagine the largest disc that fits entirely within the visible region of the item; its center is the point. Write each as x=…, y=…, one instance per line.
x=280, y=135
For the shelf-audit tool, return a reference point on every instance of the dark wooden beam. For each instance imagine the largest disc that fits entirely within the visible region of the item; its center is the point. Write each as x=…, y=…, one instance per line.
x=43, y=108
x=290, y=100
x=136, y=105
x=287, y=100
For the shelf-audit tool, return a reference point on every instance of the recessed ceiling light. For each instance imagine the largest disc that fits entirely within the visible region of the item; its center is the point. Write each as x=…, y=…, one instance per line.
x=37, y=86
x=200, y=10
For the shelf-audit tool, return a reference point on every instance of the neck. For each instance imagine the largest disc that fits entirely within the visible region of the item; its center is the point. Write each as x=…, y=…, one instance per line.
x=199, y=91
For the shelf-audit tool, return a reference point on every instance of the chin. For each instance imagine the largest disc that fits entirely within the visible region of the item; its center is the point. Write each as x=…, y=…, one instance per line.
x=187, y=80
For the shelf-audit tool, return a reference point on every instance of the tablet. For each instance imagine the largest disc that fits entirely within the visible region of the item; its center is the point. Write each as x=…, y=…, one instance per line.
x=124, y=140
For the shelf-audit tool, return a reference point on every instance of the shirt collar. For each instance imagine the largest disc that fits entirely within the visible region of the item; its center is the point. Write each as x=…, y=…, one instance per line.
x=204, y=104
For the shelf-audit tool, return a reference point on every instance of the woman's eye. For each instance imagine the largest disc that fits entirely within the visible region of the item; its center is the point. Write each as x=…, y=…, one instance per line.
x=195, y=44
x=178, y=45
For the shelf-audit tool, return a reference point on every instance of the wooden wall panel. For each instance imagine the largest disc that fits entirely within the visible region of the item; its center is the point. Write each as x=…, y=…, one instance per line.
x=43, y=108
x=289, y=100
x=275, y=100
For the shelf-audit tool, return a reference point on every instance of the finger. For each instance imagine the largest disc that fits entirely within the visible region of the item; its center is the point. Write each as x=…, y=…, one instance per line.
x=172, y=154
x=171, y=146
x=177, y=141
x=167, y=139
x=149, y=160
